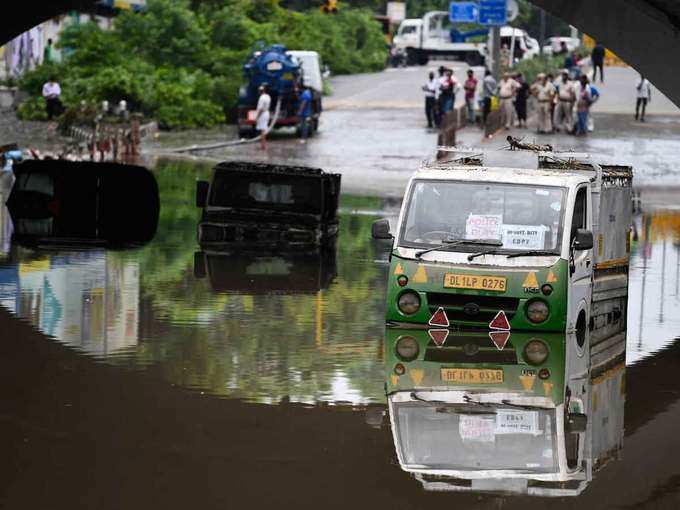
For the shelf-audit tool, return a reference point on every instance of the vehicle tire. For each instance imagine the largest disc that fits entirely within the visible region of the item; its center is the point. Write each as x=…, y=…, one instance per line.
x=474, y=59
x=315, y=126
x=247, y=132
x=423, y=58
x=412, y=55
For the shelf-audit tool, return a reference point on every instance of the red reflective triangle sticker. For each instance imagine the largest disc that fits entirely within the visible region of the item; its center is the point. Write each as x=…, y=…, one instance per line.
x=438, y=336
x=499, y=338
x=500, y=321
x=439, y=318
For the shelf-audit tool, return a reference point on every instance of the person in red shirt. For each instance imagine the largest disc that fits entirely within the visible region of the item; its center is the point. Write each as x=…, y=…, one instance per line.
x=470, y=87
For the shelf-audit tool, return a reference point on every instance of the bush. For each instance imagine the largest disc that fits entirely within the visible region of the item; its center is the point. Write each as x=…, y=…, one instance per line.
x=33, y=108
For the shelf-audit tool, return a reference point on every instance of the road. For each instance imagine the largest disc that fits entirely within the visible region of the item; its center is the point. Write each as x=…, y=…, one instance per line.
x=373, y=131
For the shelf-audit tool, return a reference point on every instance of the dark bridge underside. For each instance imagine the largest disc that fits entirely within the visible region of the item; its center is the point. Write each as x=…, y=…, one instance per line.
x=645, y=33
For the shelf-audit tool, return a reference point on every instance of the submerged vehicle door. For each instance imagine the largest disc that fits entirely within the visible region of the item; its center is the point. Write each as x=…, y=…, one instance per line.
x=580, y=266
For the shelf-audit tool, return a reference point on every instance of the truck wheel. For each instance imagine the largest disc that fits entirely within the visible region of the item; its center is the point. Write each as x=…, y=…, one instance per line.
x=315, y=126
x=412, y=55
x=474, y=59
x=423, y=58
x=246, y=132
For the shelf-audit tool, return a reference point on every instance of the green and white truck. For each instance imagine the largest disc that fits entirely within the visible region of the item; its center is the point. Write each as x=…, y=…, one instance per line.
x=512, y=240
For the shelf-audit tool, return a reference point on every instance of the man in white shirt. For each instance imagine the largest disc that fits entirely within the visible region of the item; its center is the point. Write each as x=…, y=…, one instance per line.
x=431, y=89
x=262, y=115
x=565, y=103
x=507, y=88
x=644, y=96
x=51, y=91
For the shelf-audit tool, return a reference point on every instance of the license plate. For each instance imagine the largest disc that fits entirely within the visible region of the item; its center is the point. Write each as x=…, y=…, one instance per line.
x=466, y=281
x=472, y=375
x=252, y=115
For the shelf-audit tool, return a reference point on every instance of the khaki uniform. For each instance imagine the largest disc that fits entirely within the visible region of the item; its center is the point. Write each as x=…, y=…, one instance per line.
x=506, y=92
x=565, y=106
x=544, y=94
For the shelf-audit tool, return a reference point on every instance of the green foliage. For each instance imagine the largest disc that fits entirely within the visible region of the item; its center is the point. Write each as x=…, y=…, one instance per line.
x=33, y=109
x=530, y=68
x=181, y=62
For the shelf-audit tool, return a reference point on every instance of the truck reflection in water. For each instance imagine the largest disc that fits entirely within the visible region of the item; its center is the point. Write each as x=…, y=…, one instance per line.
x=468, y=416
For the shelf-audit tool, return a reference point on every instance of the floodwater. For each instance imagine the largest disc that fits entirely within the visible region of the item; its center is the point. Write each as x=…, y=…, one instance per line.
x=130, y=379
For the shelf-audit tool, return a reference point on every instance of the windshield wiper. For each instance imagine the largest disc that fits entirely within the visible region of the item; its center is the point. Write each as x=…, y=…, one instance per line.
x=531, y=253
x=481, y=253
x=457, y=242
x=520, y=406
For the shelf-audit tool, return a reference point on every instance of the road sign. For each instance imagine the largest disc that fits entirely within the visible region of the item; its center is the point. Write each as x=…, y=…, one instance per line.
x=463, y=12
x=493, y=12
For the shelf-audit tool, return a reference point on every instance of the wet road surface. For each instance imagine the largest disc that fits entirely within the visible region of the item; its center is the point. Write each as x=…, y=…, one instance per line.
x=128, y=381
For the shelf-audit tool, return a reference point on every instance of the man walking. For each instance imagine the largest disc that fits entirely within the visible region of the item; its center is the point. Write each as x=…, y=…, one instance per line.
x=431, y=88
x=52, y=93
x=262, y=115
x=470, y=87
x=644, y=96
x=565, y=103
x=521, y=98
x=304, y=113
x=597, y=59
x=506, y=91
x=489, y=86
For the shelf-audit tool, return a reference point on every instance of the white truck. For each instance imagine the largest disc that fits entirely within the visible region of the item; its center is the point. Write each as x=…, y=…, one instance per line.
x=432, y=36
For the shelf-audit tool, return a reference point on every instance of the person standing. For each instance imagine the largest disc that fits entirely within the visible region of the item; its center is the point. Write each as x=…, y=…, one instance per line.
x=430, y=89
x=447, y=91
x=597, y=59
x=305, y=113
x=544, y=92
x=48, y=52
x=583, y=103
x=521, y=100
x=52, y=93
x=489, y=87
x=565, y=103
x=507, y=89
x=644, y=96
x=470, y=87
x=262, y=115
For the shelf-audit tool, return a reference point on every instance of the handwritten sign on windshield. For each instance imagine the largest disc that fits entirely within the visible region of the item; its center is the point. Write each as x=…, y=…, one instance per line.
x=483, y=226
x=516, y=422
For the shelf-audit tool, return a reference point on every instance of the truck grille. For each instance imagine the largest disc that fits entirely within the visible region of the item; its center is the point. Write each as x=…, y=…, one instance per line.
x=212, y=233
x=466, y=349
x=472, y=309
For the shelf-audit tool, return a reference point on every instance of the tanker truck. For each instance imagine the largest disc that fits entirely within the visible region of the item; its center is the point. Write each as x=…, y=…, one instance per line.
x=284, y=73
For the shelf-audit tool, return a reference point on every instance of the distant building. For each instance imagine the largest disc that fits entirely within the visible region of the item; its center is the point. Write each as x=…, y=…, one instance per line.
x=26, y=51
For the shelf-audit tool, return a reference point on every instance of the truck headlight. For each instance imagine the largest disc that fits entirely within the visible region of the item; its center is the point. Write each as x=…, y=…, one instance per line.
x=535, y=352
x=407, y=348
x=537, y=311
x=408, y=303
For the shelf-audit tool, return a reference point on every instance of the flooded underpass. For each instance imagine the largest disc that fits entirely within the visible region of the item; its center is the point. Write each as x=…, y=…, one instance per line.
x=166, y=376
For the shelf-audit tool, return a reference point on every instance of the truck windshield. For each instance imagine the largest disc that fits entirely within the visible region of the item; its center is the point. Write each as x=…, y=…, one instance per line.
x=461, y=438
x=522, y=217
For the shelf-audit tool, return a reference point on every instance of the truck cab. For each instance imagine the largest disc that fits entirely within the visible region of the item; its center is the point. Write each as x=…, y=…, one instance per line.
x=467, y=416
x=504, y=240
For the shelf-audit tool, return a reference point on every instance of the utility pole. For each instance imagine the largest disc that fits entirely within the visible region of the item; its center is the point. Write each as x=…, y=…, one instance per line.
x=542, y=31
x=495, y=52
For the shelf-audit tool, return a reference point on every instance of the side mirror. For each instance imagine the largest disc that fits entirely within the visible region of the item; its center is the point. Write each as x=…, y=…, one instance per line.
x=576, y=423
x=381, y=229
x=583, y=240
x=202, y=193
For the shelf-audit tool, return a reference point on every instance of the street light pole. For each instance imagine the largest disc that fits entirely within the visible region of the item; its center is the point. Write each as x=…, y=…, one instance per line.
x=495, y=52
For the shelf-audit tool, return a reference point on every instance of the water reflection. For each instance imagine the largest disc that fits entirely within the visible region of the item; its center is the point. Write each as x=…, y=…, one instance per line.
x=265, y=327
x=467, y=416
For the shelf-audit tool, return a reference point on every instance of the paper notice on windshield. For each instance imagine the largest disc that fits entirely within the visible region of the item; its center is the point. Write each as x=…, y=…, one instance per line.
x=480, y=429
x=524, y=237
x=483, y=226
x=510, y=421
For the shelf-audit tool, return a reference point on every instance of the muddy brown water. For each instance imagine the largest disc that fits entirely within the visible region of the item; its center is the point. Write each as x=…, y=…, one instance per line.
x=128, y=381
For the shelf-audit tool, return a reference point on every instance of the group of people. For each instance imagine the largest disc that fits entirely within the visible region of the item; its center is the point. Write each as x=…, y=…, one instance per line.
x=562, y=104
x=440, y=95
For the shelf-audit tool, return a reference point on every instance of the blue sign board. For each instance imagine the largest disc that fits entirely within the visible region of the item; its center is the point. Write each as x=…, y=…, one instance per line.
x=493, y=12
x=463, y=12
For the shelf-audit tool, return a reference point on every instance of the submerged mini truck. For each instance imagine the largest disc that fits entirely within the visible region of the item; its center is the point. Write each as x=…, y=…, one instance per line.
x=513, y=240
x=538, y=425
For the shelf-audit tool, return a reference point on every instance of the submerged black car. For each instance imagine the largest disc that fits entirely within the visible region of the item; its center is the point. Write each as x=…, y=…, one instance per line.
x=254, y=204
x=76, y=203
